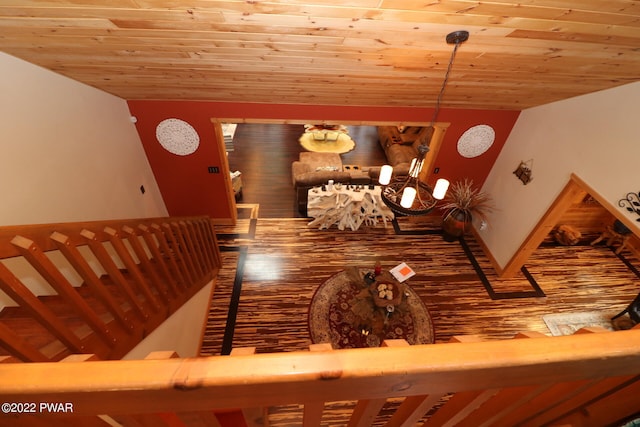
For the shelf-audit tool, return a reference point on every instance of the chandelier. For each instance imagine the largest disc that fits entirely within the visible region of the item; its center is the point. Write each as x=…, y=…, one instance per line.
x=408, y=195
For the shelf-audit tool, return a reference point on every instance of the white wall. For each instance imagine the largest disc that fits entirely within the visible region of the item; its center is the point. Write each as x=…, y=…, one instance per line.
x=595, y=136
x=182, y=332
x=69, y=151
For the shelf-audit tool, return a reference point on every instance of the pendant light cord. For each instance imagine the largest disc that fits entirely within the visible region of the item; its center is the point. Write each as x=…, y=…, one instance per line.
x=444, y=84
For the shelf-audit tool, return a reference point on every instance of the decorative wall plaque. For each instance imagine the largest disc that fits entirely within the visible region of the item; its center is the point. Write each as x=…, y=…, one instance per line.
x=476, y=140
x=177, y=137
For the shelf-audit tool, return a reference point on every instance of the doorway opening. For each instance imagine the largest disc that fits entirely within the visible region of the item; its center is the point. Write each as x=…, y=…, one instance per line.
x=578, y=205
x=264, y=150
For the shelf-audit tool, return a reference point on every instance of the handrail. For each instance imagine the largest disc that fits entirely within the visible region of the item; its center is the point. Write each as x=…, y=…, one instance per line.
x=471, y=373
x=149, y=267
x=133, y=275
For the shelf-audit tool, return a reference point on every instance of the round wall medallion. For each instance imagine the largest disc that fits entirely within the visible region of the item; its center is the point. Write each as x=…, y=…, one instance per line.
x=177, y=137
x=476, y=140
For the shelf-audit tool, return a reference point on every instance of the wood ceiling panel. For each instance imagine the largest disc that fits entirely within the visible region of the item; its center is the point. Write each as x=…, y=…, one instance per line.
x=365, y=52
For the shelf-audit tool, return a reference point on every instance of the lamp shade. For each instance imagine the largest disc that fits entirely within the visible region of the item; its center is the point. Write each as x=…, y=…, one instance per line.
x=385, y=174
x=440, y=190
x=408, y=196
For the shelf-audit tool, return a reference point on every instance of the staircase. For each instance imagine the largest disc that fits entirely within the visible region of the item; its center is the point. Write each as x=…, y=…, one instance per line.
x=98, y=287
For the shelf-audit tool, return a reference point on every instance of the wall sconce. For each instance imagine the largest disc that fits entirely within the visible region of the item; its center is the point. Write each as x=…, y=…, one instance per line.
x=523, y=172
x=631, y=203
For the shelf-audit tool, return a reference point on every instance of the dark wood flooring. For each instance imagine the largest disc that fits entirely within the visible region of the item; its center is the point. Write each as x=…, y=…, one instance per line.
x=281, y=262
x=274, y=263
x=272, y=268
x=264, y=153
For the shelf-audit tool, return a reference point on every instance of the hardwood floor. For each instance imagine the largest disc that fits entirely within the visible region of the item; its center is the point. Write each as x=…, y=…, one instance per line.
x=286, y=261
x=264, y=153
x=274, y=263
x=272, y=268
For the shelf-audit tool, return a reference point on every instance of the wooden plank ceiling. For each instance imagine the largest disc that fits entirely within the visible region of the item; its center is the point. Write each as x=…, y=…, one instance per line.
x=521, y=53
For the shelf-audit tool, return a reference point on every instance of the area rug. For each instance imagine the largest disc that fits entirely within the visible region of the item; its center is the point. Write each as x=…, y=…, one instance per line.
x=569, y=323
x=342, y=312
x=342, y=144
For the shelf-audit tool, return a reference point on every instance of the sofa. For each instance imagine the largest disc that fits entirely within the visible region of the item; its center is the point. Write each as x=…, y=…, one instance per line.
x=400, y=145
x=313, y=169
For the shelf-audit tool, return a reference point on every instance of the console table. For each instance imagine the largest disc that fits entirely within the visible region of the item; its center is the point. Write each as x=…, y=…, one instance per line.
x=347, y=206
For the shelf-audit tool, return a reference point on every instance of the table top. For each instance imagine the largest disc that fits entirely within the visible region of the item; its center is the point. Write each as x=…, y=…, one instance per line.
x=354, y=192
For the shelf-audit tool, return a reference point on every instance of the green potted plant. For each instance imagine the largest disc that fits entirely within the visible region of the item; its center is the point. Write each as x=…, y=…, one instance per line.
x=462, y=203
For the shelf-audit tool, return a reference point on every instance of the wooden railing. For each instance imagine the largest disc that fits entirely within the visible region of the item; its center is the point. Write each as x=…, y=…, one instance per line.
x=113, y=282
x=100, y=287
x=588, y=379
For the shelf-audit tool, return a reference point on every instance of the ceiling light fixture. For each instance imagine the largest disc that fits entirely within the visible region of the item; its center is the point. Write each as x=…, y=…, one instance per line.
x=408, y=195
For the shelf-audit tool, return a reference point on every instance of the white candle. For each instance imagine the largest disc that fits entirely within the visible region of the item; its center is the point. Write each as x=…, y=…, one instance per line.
x=408, y=196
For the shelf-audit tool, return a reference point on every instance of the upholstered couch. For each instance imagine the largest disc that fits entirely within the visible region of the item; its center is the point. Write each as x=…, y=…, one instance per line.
x=313, y=169
x=400, y=145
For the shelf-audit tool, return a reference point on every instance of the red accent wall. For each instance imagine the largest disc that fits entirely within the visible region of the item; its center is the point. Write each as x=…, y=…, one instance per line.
x=188, y=189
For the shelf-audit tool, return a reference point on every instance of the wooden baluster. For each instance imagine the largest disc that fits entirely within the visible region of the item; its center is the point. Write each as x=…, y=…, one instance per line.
x=112, y=269
x=198, y=250
x=201, y=250
x=185, y=252
x=82, y=421
x=165, y=239
x=193, y=252
x=56, y=279
x=158, y=259
x=211, y=241
x=98, y=420
x=198, y=418
x=621, y=402
x=460, y=406
x=253, y=417
x=510, y=407
x=597, y=388
x=80, y=264
x=132, y=267
x=550, y=395
x=600, y=388
x=178, y=253
x=132, y=238
x=485, y=407
x=18, y=347
x=367, y=410
x=313, y=411
x=17, y=291
x=413, y=408
x=201, y=238
x=161, y=420
x=503, y=403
